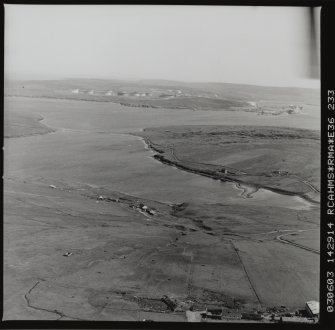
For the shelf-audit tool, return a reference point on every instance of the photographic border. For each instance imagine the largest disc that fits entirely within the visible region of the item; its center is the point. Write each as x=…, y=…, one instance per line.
x=327, y=218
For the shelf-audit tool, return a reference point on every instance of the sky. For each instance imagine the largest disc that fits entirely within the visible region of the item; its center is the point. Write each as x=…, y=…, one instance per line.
x=252, y=45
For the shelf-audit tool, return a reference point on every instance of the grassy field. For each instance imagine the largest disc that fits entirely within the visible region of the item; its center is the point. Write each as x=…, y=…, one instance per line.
x=20, y=124
x=270, y=157
x=123, y=262
x=280, y=272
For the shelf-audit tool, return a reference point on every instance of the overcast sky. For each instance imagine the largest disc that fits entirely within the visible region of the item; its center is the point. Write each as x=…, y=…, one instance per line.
x=253, y=45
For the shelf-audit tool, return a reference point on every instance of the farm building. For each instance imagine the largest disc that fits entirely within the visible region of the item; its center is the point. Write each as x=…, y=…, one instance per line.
x=312, y=308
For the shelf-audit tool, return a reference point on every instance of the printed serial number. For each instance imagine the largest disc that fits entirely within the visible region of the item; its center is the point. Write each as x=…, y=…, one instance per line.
x=331, y=99
x=330, y=243
x=330, y=292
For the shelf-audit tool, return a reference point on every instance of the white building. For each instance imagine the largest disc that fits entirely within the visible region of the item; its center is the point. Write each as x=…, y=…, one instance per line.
x=312, y=308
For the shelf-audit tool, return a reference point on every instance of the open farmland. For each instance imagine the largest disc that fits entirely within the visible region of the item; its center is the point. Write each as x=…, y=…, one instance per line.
x=268, y=157
x=275, y=267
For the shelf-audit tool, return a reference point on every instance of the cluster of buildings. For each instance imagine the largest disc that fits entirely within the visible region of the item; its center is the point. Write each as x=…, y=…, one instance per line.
x=309, y=315
x=273, y=110
x=92, y=92
x=154, y=93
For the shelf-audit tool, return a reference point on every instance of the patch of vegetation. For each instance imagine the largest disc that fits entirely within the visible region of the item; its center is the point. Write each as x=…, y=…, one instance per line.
x=284, y=160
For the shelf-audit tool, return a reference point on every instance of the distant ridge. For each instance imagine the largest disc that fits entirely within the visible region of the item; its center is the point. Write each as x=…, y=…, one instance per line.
x=174, y=94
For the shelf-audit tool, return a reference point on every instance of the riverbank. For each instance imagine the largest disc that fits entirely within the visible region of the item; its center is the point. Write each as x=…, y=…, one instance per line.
x=265, y=173
x=21, y=125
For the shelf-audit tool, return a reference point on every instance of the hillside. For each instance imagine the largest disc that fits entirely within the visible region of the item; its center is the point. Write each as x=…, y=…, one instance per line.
x=167, y=94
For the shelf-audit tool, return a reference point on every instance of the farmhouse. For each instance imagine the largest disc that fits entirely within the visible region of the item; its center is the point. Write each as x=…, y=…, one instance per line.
x=312, y=308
